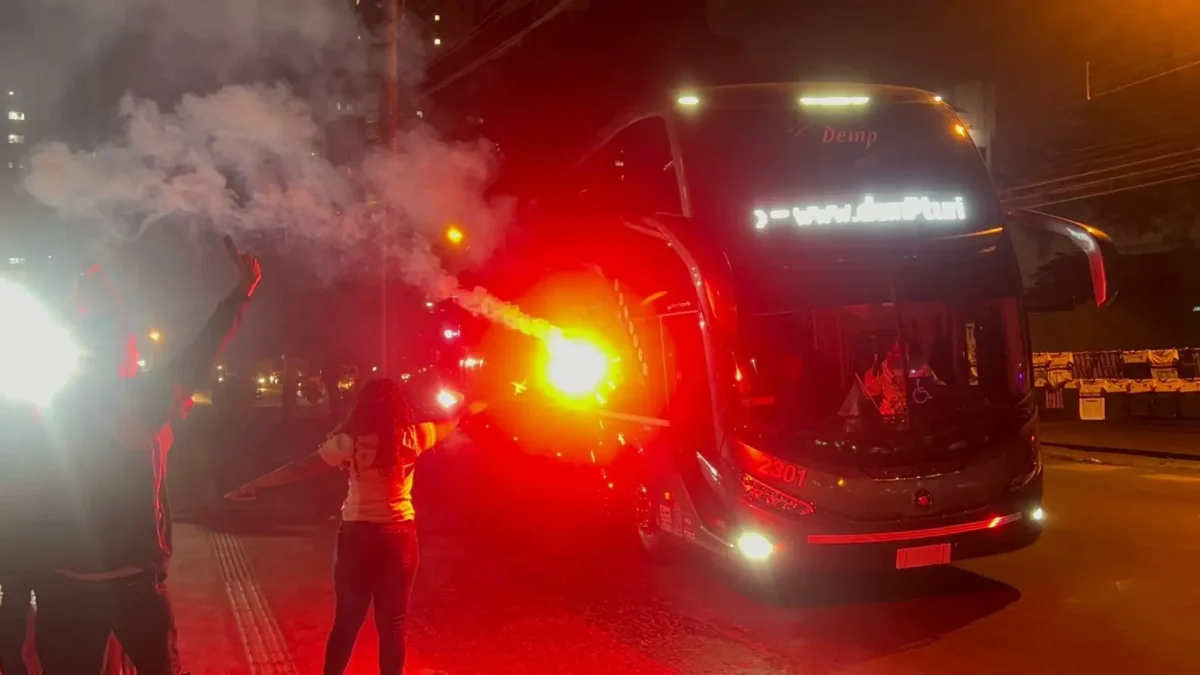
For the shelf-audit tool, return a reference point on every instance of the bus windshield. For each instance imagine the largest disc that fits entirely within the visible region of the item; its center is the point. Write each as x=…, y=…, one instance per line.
x=821, y=165
x=880, y=348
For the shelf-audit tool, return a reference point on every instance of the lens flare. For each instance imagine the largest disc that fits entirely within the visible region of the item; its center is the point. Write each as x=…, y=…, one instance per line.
x=37, y=355
x=755, y=546
x=575, y=367
x=447, y=399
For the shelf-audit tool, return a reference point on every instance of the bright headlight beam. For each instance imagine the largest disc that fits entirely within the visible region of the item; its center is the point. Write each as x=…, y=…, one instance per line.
x=37, y=354
x=447, y=399
x=755, y=546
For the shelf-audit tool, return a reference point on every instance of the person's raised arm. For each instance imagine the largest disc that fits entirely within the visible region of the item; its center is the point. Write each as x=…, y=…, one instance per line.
x=136, y=410
x=187, y=370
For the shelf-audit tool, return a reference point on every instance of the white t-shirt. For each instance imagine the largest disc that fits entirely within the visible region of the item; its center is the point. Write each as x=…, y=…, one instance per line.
x=373, y=496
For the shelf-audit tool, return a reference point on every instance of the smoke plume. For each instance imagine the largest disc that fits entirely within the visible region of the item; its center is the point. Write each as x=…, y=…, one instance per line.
x=251, y=159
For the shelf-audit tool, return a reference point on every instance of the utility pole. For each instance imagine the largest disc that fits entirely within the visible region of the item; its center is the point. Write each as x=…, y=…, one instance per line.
x=389, y=99
x=389, y=114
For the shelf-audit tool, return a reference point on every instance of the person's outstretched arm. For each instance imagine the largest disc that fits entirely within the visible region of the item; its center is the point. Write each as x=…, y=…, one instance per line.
x=338, y=450
x=334, y=452
x=430, y=434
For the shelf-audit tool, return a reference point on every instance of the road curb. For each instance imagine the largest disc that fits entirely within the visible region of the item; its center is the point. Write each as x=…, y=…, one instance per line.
x=1129, y=452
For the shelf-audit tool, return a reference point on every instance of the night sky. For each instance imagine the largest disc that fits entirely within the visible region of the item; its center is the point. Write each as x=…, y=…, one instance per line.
x=1034, y=51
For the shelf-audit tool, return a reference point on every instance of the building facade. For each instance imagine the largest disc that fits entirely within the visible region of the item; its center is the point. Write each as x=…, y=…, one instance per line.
x=15, y=136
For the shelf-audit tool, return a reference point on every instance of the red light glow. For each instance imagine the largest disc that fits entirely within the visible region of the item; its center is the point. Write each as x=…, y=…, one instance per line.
x=908, y=535
x=576, y=367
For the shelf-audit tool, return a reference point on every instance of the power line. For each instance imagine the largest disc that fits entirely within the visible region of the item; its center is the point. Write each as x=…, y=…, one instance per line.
x=1131, y=140
x=1085, y=163
x=488, y=19
x=1134, y=67
x=1164, y=73
x=1155, y=171
x=1088, y=160
x=500, y=49
x=1106, y=170
x=1127, y=188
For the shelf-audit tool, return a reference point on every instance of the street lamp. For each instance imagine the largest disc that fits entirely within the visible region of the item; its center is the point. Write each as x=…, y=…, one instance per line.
x=155, y=336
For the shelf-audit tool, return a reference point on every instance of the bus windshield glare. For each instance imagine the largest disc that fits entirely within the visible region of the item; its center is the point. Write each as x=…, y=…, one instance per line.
x=778, y=165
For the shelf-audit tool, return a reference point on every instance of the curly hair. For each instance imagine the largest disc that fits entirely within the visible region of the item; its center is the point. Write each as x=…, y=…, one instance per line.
x=380, y=409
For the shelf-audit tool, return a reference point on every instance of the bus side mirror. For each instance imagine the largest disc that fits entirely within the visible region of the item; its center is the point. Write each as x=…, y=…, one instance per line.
x=1102, y=256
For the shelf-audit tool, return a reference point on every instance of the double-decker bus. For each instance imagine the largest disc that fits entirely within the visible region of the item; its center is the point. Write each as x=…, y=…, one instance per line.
x=811, y=310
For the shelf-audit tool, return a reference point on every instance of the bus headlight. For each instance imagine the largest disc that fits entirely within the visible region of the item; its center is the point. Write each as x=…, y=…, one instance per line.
x=37, y=355
x=755, y=546
x=447, y=399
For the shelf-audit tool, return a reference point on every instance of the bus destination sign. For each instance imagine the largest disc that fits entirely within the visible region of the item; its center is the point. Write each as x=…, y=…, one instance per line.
x=905, y=210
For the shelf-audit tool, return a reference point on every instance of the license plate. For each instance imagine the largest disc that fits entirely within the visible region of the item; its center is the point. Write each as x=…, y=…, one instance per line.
x=922, y=556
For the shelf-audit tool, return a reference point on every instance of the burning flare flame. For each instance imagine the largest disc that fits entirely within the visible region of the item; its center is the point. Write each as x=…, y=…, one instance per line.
x=575, y=367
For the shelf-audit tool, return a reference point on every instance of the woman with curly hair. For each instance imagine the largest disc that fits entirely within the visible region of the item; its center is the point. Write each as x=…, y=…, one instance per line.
x=376, y=558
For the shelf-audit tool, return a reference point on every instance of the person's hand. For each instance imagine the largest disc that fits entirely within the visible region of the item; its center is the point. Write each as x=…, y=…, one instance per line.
x=476, y=407
x=248, y=267
x=244, y=493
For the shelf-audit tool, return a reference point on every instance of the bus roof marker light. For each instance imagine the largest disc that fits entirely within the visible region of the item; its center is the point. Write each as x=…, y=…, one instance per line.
x=689, y=100
x=834, y=101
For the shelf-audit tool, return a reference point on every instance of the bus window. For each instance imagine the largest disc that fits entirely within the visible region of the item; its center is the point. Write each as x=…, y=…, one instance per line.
x=631, y=175
x=835, y=349
x=645, y=168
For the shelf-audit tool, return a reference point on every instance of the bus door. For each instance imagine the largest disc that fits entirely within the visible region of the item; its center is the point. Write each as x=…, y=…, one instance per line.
x=690, y=410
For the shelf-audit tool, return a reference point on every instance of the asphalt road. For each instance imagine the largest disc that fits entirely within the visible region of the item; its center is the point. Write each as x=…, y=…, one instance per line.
x=505, y=587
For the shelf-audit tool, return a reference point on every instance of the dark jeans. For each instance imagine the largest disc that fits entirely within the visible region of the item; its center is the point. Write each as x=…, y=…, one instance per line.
x=15, y=588
x=374, y=562
x=75, y=618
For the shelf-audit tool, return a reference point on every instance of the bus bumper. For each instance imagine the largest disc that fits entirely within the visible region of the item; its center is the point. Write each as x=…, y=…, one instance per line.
x=825, y=543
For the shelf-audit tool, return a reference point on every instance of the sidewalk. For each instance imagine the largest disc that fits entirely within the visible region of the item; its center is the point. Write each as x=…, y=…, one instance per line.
x=1162, y=440
x=210, y=638
x=227, y=624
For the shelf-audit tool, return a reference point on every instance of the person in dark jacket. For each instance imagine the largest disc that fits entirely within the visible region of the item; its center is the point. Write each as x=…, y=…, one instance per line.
x=25, y=464
x=112, y=534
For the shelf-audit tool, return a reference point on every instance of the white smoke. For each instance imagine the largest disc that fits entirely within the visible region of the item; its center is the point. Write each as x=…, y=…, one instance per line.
x=250, y=160
x=247, y=159
x=210, y=40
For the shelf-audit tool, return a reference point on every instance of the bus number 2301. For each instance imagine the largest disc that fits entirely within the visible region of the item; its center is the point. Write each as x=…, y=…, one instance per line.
x=782, y=471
